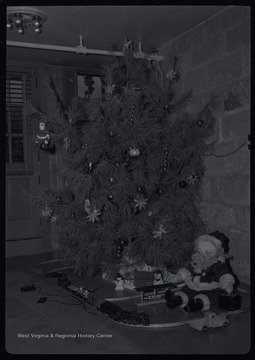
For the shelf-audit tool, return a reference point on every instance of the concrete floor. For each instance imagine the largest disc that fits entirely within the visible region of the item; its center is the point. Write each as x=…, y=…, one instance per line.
x=25, y=316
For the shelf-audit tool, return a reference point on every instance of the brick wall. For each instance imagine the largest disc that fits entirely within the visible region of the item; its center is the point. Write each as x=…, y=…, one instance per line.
x=214, y=58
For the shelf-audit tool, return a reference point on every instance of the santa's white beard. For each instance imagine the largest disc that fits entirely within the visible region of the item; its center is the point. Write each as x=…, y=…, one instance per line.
x=201, y=262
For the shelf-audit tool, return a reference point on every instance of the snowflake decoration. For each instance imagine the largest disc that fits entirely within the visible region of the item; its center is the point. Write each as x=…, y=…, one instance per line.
x=46, y=212
x=53, y=219
x=171, y=75
x=93, y=216
x=192, y=178
x=109, y=89
x=66, y=143
x=159, y=233
x=141, y=202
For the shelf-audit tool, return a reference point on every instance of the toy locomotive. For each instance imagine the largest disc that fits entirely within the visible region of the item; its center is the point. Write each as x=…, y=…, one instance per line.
x=108, y=308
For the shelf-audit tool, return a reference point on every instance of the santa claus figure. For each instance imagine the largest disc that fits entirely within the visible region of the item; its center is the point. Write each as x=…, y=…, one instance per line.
x=206, y=277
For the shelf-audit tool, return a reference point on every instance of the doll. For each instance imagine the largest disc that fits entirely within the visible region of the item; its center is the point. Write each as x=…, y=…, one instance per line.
x=206, y=277
x=158, y=278
x=119, y=282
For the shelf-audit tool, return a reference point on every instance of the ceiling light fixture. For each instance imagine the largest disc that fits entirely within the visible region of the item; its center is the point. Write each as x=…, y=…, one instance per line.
x=22, y=17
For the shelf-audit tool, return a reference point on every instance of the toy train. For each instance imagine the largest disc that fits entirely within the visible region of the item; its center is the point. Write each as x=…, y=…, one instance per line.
x=115, y=312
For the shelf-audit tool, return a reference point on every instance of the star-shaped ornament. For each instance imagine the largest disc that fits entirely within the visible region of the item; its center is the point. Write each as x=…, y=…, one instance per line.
x=46, y=212
x=192, y=178
x=159, y=233
x=93, y=215
x=171, y=74
x=66, y=143
x=109, y=89
x=141, y=202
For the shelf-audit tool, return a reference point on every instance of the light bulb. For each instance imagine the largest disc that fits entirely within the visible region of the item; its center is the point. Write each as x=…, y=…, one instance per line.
x=9, y=25
x=18, y=19
x=37, y=22
x=38, y=30
x=21, y=30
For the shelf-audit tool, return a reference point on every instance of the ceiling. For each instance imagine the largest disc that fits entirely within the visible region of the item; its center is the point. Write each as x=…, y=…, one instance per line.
x=102, y=27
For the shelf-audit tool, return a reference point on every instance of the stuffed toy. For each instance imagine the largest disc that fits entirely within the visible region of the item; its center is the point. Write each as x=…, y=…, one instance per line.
x=119, y=282
x=206, y=277
x=158, y=278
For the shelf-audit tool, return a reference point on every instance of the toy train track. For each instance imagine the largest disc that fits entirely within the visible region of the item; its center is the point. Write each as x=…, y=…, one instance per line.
x=100, y=305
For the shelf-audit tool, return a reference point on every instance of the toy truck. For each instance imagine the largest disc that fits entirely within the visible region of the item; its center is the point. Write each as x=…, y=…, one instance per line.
x=210, y=320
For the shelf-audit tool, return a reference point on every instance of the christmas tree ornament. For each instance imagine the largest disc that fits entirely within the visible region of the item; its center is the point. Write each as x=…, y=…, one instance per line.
x=134, y=151
x=43, y=135
x=150, y=213
x=200, y=123
x=159, y=233
x=140, y=202
x=111, y=180
x=53, y=219
x=59, y=198
x=192, y=178
x=90, y=165
x=66, y=143
x=165, y=159
x=132, y=115
x=183, y=184
x=109, y=90
x=47, y=212
x=171, y=75
x=93, y=215
x=110, y=197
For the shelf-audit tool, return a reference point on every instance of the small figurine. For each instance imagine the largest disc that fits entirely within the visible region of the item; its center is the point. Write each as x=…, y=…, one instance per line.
x=119, y=282
x=158, y=278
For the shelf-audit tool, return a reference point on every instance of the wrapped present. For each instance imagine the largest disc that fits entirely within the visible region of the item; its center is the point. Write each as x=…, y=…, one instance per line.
x=230, y=302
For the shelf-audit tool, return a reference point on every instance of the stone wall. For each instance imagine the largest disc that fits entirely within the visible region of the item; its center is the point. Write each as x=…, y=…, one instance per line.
x=214, y=58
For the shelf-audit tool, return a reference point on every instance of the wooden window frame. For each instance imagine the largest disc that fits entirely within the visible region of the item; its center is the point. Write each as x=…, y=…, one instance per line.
x=27, y=76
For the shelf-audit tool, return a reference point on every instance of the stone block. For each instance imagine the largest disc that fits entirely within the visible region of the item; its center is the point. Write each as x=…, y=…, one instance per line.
x=233, y=16
x=226, y=19
x=208, y=51
x=240, y=14
x=218, y=216
x=204, y=97
x=196, y=79
x=247, y=59
x=238, y=163
x=191, y=39
x=237, y=93
x=213, y=25
x=238, y=36
x=243, y=218
x=225, y=69
x=231, y=189
x=205, y=189
x=236, y=125
x=247, y=217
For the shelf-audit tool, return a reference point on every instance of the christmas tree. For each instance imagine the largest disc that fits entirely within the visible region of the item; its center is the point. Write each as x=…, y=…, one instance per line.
x=131, y=175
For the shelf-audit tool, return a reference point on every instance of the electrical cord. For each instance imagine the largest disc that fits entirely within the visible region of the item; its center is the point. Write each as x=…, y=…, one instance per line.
x=228, y=154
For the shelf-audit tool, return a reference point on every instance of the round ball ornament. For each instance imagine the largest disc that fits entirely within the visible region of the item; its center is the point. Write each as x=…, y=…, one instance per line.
x=183, y=184
x=200, y=123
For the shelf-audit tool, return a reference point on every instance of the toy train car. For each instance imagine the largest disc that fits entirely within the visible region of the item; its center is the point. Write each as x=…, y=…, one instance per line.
x=124, y=316
x=95, y=301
